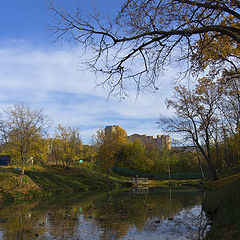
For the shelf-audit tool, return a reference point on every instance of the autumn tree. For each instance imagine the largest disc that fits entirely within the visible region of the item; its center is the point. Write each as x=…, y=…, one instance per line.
x=26, y=127
x=227, y=140
x=196, y=113
x=66, y=146
x=230, y=103
x=88, y=153
x=133, y=155
x=108, y=144
x=145, y=36
x=106, y=151
x=41, y=151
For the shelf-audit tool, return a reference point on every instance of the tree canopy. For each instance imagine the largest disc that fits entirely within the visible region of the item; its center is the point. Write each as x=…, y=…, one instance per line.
x=24, y=129
x=146, y=36
x=66, y=146
x=197, y=115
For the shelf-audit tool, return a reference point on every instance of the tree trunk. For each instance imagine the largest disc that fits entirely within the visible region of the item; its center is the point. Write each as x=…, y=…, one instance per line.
x=107, y=176
x=207, y=156
x=23, y=159
x=212, y=170
x=200, y=165
x=22, y=175
x=169, y=171
x=218, y=158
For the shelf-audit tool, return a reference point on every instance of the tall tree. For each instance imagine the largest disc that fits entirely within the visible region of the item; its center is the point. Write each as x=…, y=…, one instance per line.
x=230, y=110
x=145, y=36
x=230, y=103
x=196, y=113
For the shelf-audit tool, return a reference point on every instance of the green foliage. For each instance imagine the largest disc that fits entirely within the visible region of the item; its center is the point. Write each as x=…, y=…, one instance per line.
x=132, y=155
x=174, y=176
x=184, y=162
x=88, y=153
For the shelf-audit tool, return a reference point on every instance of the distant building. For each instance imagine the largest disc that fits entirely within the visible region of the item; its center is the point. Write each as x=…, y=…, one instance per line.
x=163, y=142
x=111, y=129
x=160, y=142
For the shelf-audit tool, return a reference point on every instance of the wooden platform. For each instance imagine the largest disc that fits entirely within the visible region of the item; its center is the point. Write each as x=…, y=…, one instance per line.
x=138, y=181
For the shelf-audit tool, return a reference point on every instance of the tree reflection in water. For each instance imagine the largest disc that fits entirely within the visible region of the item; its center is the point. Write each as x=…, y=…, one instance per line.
x=165, y=214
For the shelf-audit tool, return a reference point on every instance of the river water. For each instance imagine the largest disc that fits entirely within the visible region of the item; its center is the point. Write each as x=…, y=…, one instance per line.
x=133, y=214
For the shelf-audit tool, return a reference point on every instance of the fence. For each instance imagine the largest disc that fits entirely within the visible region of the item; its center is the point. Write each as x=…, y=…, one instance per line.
x=174, y=176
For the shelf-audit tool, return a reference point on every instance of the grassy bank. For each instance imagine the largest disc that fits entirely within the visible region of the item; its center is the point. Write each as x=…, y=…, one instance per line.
x=197, y=183
x=51, y=180
x=222, y=205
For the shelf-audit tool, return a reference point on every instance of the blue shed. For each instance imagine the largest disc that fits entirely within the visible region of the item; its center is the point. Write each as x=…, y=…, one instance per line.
x=4, y=160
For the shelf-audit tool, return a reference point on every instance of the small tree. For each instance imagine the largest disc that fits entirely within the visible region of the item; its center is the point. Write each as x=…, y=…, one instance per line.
x=88, y=153
x=66, y=145
x=108, y=145
x=26, y=127
x=105, y=153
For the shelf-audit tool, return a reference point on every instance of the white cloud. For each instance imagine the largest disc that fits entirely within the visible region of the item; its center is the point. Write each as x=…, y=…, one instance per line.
x=50, y=79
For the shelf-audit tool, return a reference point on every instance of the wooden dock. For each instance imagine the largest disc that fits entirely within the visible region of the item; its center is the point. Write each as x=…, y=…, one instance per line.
x=135, y=181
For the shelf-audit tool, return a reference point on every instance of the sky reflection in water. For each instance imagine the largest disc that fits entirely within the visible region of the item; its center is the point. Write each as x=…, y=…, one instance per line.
x=158, y=214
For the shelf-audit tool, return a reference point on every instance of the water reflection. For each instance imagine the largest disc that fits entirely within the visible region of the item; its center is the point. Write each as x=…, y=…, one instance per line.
x=132, y=214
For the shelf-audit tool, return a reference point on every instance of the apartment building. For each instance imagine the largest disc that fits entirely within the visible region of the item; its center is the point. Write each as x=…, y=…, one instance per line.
x=160, y=142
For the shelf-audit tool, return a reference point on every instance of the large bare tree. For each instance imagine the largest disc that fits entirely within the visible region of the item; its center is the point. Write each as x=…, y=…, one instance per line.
x=147, y=36
x=196, y=116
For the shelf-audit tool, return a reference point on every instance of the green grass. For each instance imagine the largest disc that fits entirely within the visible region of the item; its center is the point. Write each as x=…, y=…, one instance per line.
x=10, y=185
x=157, y=176
x=51, y=180
x=222, y=205
x=54, y=178
x=196, y=183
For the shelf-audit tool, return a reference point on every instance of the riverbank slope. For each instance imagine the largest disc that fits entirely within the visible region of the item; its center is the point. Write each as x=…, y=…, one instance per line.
x=50, y=180
x=222, y=205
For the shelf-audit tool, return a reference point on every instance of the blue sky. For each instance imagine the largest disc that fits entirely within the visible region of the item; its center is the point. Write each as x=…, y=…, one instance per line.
x=37, y=71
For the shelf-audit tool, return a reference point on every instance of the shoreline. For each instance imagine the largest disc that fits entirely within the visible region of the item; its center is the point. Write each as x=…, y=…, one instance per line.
x=51, y=180
x=44, y=181
x=222, y=204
